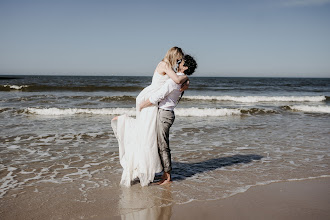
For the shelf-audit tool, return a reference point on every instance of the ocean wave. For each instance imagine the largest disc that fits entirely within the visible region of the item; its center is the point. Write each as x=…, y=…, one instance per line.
x=250, y=99
x=185, y=112
x=90, y=88
x=10, y=87
x=118, y=98
x=257, y=111
x=309, y=108
x=131, y=111
x=204, y=112
x=4, y=109
x=73, y=111
x=259, y=98
x=327, y=98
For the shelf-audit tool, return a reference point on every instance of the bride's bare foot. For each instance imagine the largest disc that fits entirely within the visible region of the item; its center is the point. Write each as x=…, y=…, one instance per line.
x=115, y=118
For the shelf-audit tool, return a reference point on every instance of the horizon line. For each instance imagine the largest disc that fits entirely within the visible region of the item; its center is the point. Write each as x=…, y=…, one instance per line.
x=311, y=77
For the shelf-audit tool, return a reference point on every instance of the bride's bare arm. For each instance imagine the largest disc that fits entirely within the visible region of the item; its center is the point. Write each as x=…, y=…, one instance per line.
x=164, y=68
x=177, y=79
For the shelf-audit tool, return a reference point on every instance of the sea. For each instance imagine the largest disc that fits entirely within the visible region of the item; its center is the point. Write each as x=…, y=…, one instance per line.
x=229, y=134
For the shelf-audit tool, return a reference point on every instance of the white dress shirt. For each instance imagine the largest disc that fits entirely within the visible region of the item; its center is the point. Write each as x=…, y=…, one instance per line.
x=168, y=95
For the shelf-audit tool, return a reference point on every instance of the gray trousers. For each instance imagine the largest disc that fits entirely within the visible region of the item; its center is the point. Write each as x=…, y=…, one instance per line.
x=165, y=120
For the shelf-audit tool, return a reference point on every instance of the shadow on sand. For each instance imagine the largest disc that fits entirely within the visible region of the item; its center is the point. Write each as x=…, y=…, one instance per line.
x=182, y=171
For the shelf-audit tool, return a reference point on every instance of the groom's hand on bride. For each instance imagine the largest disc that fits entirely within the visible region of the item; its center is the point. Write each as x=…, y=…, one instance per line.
x=185, y=86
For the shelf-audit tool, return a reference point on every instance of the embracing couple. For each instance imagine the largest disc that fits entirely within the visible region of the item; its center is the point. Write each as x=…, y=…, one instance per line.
x=144, y=141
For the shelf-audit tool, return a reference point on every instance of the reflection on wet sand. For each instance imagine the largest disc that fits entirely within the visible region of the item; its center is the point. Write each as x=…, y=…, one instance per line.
x=154, y=202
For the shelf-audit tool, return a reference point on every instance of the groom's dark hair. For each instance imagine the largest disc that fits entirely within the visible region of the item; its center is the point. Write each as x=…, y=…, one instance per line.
x=191, y=63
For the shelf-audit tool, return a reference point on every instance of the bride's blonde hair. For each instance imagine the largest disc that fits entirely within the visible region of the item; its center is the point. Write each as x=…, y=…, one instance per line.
x=173, y=55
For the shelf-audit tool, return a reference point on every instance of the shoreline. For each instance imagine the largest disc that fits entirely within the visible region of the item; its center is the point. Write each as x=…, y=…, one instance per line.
x=298, y=199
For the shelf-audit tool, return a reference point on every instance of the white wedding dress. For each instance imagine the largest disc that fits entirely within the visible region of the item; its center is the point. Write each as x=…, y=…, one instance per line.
x=137, y=139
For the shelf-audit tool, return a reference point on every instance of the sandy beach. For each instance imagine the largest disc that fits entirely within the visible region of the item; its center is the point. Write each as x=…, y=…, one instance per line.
x=306, y=199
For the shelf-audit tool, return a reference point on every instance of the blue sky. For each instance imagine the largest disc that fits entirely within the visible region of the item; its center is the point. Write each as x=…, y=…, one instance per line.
x=227, y=38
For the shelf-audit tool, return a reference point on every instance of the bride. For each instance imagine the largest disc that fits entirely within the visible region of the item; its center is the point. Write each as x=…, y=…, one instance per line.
x=137, y=139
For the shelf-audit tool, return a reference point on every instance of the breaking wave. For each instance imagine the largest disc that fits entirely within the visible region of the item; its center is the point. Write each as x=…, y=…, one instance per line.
x=4, y=109
x=185, y=112
x=118, y=98
x=73, y=111
x=91, y=88
x=309, y=108
x=259, y=98
x=198, y=112
x=12, y=87
x=248, y=99
x=204, y=112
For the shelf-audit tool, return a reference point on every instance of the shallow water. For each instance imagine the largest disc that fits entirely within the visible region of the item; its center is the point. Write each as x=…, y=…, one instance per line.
x=235, y=134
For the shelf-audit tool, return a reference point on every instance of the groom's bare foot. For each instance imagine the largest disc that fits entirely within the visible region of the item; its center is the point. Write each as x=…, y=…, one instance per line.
x=160, y=182
x=166, y=179
x=165, y=182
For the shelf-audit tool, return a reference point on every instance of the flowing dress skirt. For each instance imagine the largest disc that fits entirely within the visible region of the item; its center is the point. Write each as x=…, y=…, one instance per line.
x=137, y=140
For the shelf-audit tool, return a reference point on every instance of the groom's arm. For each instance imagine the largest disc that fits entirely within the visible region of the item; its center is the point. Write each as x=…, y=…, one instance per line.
x=166, y=89
x=185, y=85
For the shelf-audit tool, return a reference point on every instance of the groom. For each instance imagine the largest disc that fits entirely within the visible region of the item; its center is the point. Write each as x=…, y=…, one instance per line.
x=167, y=97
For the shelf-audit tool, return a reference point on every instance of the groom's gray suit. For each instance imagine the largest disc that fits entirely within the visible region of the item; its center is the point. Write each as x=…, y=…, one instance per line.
x=167, y=97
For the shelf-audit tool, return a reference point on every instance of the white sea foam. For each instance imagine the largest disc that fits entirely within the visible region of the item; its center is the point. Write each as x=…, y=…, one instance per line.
x=311, y=108
x=203, y=112
x=13, y=147
x=16, y=87
x=198, y=112
x=73, y=111
x=261, y=98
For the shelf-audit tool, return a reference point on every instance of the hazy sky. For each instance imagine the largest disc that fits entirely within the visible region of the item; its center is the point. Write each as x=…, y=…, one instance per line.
x=227, y=38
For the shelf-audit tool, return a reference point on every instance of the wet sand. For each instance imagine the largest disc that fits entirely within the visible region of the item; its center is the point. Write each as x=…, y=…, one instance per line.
x=307, y=199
